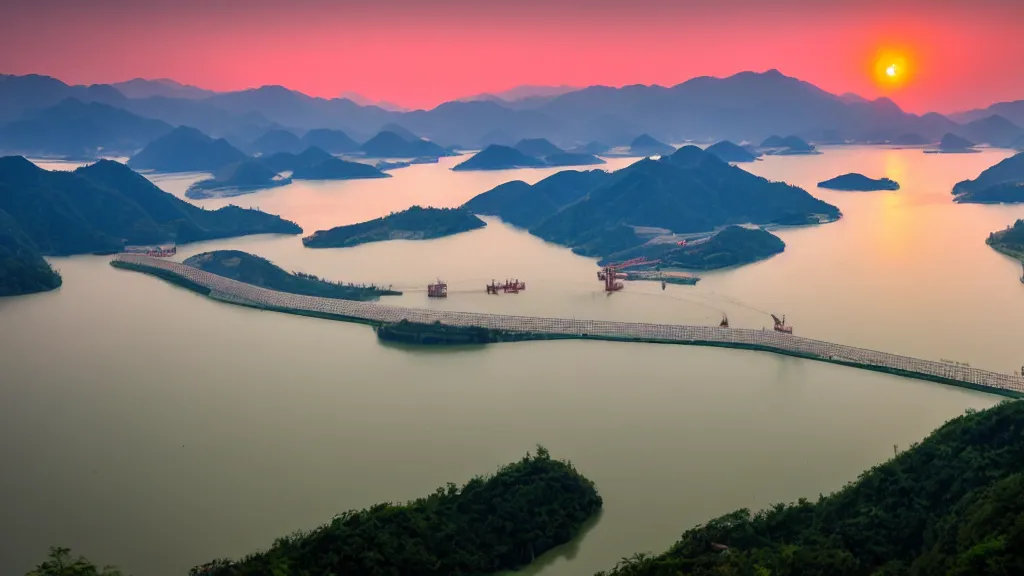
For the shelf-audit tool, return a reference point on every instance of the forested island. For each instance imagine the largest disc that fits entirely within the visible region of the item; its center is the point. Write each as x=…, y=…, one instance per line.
x=388, y=144
x=497, y=157
x=1009, y=241
x=1002, y=183
x=332, y=141
x=787, y=146
x=951, y=505
x=953, y=144
x=647, y=145
x=438, y=334
x=186, y=149
x=600, y=214
x=854, y=182
x=259, y=271
x=244, y=177
x=101, y=207
x=731, y=246
x=337, y=169
x=416, y=223
x=729, y=152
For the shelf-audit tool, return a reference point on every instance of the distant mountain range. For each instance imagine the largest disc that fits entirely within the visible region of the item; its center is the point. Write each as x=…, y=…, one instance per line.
x=745, y=107
x=165, y=87
x=1012, y=111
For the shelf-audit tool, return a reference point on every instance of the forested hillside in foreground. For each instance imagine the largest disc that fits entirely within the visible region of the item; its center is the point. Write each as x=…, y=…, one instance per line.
x=952, y=505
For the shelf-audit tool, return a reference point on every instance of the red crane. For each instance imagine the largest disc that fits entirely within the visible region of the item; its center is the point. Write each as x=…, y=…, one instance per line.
x=610, y=273
x=780, y=324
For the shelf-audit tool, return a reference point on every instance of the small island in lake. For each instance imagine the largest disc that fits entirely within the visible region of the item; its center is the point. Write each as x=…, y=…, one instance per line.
x=491, y=524
x=337, y=169
x=953, y=144
x=647, y=145
x=498, y=157
x=333, y=141
x=186, y=149
x=692, y=191
x=572, y=159
x=1002, y=183
x=261, y=272
x=1009, y=241
x=416, y=223
x=729, y=152
x=388, y=144
x=537, y=147
x=244, y=177
x=854, y=182
x=730, y=246
x=286, y=161
x=788, y=146
x=419, y=334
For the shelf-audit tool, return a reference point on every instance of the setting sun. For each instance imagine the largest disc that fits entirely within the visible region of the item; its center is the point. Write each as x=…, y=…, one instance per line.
x=890, y=68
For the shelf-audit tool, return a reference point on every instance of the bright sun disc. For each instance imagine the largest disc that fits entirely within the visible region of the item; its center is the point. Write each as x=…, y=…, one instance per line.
x=891, y=69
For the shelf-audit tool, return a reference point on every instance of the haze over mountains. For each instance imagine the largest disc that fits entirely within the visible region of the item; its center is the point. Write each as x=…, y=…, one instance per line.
x=745, y=107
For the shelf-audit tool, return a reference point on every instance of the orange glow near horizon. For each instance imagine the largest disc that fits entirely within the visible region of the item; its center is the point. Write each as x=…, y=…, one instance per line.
x=891, y=69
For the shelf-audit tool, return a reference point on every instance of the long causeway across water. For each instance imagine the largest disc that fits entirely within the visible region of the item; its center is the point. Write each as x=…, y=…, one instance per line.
x=766, y=340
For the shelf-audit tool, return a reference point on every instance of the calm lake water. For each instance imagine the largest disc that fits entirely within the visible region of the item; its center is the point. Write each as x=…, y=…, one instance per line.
x=149, y=427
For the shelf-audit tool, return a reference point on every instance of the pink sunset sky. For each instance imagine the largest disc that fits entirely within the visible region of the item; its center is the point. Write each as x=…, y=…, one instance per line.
x=419, y=53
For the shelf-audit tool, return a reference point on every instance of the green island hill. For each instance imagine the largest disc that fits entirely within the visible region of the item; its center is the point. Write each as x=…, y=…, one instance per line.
x=537, y=147
x=489, y=525
x=730, y=246
x=952, y=505
x=647, y=145
x=420, y=334
x=22, y=268
x=788, y=146
x=286, y=161
x=854, y=182
x=416, y=223
x=332, y=141
x=600, y=214
x=498, y=157
x=389, y=144
x=245, y=177
x=1009, y=241
x=729, y=152
x=186, y=149
x=1001, y=183
x=953, y=144
x=101, y=207
x=337, y=169
x=261, y=272
x=572, y=159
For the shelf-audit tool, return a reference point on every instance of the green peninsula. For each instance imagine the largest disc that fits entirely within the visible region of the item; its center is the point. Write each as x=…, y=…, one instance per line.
x=489, y=525
x=416, y=223
x=951, y=505
x=258, y=271
x=1009, y=241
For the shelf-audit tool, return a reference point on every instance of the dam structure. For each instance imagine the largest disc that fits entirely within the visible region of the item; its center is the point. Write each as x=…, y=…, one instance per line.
x=233, y=291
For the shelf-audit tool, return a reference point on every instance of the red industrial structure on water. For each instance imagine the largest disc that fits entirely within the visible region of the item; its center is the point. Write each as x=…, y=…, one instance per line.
x=438, y=289
x=509, y=287
x=610, y=273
